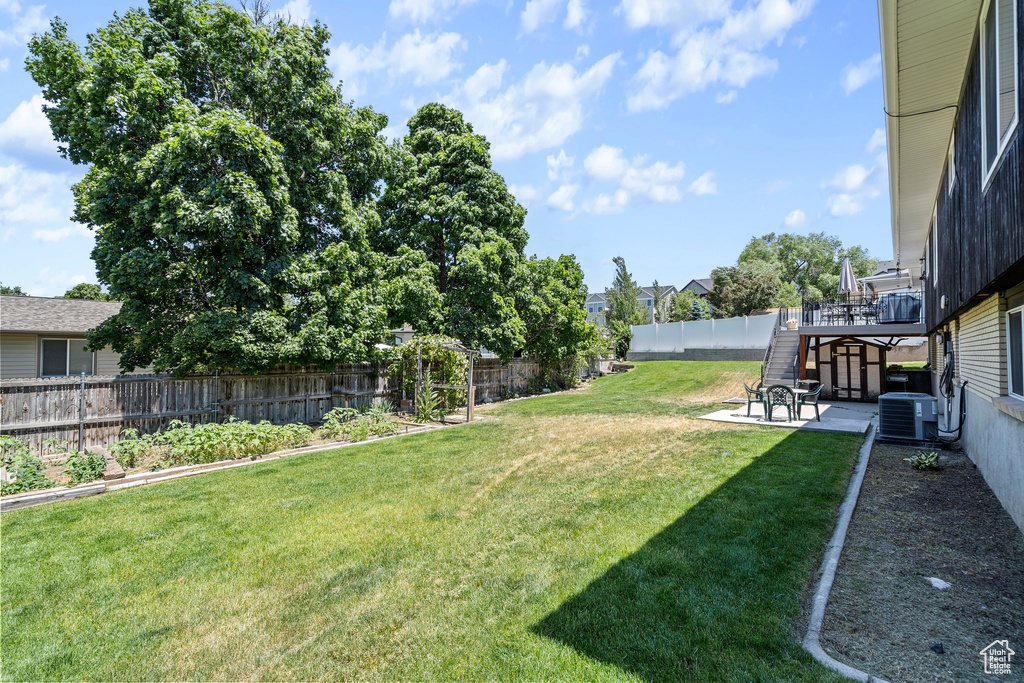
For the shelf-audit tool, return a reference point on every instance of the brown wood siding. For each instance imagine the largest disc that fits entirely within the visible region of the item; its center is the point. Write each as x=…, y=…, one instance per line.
x=981, y=230
x=983, y=348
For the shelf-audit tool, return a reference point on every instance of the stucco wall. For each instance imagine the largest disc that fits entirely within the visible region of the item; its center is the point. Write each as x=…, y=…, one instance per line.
x=995, y=443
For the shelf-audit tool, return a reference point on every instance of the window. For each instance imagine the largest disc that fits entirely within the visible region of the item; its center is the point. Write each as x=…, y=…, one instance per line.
x=951, y=164
x=600, y=307
x=928, y=256
x=998, y=79
x=1015, y=351
x=62, y=357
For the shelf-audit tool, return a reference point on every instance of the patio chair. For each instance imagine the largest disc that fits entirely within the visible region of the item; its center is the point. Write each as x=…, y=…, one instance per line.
x=753, y=395
x=809, y=399
x=778, y=395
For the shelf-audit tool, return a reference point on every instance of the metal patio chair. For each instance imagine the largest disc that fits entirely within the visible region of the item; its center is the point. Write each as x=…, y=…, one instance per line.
x=779, y=395
x=753, y=395
x=809, y=399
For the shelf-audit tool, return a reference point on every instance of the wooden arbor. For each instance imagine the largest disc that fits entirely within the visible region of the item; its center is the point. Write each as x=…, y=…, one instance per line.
x=467, y=387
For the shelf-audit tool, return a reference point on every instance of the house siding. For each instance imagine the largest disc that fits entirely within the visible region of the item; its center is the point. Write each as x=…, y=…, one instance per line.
x=980, y=245
x=982, y=348
x=18, y=356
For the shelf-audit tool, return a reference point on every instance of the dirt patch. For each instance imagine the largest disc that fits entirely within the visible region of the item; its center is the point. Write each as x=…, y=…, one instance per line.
x=884, y=616
x=726, y=386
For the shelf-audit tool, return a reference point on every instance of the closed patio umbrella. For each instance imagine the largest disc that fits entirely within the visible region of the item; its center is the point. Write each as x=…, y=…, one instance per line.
x=847, y=280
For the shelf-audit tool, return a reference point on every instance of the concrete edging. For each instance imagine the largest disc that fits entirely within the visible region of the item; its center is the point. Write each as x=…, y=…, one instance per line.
x=811, y=642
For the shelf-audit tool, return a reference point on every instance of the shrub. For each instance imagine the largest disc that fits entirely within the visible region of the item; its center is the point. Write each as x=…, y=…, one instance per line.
x=924, y=461
x=428, y=407
x=130, y=449
x=351, y=423
x=85, y=466
x=23, y=465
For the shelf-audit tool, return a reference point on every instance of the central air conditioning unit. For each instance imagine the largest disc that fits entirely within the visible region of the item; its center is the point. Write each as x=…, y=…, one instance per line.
x=908, y=416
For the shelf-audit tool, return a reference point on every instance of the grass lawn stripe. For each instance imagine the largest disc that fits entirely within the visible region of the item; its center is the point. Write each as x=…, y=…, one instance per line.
x=594, y=535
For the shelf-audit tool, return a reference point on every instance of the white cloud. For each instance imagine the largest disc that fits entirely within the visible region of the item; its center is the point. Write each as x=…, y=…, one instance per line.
x=556, y=164
x=856, y=76
x=5, y=64
x=427, y=58
x=47, y=282
x=539, y=12
x=704, y=185
x=61, y=233
x=7, y=235
x=729, y=52
x=796, y=219
x=605, y=204
x=295, y=11
x=562, y=198
x=855, y=186
x=419, y=11
x=606, y=163
x=681, y=16
x=636, y=179
x=877, y=140
x=726, y=97
x=25, y=133
x=582, y=51
x=575, y=14
x=485, y=79
x=540, y=112
x=34, y=197
x=22, y=23
x=523, y=193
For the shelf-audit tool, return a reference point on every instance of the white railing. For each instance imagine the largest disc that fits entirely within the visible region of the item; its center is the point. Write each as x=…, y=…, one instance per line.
x=747, y=332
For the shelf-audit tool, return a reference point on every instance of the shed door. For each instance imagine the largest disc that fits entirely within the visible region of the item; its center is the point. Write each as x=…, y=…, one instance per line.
x=849, y=376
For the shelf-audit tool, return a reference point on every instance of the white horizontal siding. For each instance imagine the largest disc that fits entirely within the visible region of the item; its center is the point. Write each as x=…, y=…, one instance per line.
x=983, y=347
x=18, y=355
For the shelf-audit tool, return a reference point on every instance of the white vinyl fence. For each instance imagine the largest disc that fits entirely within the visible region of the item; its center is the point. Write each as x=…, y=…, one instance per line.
x=748, y=332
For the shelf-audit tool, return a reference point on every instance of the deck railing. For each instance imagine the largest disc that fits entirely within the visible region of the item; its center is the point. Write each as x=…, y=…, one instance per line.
x=858, y=309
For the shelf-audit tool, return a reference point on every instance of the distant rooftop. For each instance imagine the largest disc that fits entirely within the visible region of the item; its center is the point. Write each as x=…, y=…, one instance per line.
x=43, y=315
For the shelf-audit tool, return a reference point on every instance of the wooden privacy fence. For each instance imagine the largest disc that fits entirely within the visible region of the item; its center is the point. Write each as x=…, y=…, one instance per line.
x=93, y=411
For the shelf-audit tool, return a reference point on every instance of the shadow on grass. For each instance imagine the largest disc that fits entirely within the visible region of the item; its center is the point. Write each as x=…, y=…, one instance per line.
x=714, y=595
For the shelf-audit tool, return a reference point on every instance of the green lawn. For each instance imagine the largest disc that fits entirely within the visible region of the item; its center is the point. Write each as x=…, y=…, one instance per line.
x=594, y=535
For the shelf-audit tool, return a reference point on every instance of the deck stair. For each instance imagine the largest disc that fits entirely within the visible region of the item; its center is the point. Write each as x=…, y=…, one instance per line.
x=782, y=359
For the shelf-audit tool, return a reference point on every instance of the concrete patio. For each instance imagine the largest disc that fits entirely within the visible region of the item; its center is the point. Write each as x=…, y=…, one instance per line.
x=839, y=416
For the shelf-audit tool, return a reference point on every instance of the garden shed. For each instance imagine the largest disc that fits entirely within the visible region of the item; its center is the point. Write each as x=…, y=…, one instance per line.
x=850, y=369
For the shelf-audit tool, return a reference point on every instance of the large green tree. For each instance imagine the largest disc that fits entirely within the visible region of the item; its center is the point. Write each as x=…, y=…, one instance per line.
x=809, y=264
x=623, y=307
x=552, y=306
x=11, y=291
x=445, y=201
x=738, y=291
x=230, y=187
x=88, y=291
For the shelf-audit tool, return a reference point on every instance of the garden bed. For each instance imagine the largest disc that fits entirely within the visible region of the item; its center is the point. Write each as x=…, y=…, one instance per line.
x=884, y=616
x=141, y=475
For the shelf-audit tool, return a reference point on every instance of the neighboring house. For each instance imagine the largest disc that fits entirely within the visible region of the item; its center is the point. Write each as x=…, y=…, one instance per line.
x=402, y=334
x=953, y=86
x=597, y=303
x=41, y=337
x=700, y=286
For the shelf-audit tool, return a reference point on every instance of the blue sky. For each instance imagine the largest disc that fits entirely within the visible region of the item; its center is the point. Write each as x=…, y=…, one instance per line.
x=666, y=132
